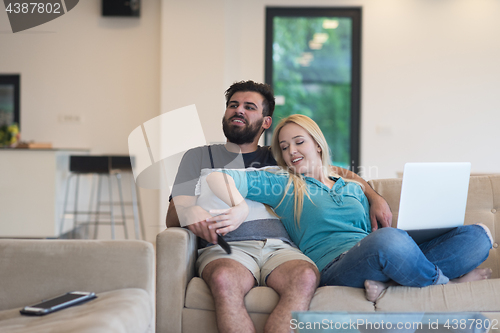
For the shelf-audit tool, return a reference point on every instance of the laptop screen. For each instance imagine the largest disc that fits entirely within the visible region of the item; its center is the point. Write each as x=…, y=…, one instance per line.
x=433, y=195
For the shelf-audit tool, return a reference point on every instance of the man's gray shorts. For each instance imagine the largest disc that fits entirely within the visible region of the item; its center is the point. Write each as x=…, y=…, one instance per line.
x=259, y=257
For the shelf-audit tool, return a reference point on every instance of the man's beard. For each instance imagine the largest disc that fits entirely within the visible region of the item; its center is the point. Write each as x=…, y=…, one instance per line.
x=241, y=135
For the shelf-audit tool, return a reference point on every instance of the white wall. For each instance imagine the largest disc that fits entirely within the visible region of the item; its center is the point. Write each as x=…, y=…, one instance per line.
x=431, y=78
x=104, y=70
x=430, y=73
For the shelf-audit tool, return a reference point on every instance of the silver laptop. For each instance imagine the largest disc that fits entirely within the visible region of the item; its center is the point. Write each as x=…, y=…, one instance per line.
x=433, y=199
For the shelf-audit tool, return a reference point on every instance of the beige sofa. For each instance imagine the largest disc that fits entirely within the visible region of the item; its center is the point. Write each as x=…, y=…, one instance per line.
x=185, y=304
x=121, y=273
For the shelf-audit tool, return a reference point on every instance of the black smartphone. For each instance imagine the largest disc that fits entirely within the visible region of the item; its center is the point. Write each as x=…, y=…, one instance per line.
x=58, y=303
x=225, y=245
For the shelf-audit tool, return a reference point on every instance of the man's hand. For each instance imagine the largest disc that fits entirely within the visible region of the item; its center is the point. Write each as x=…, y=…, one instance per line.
x=184, y=212
x=199, y=228
x=227, y=220
x=380, y=212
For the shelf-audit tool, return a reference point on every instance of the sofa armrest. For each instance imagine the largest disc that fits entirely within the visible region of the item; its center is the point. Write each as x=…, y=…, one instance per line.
x=176, y=253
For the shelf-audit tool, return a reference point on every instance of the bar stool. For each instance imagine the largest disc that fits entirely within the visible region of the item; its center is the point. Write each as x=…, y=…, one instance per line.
x=103, y=167
x=124, y=165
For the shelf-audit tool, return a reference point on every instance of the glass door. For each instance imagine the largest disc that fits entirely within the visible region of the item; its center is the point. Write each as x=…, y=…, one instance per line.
x=313, y=65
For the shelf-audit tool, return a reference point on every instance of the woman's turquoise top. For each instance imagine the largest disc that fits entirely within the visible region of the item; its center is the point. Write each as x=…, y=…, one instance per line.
x=332, y=222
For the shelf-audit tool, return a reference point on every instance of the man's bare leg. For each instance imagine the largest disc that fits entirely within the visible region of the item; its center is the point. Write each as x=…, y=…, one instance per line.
x=295, y=282
x=229, y=282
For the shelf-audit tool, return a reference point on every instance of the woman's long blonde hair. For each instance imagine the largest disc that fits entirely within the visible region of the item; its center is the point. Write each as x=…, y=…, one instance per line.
x=299, y=184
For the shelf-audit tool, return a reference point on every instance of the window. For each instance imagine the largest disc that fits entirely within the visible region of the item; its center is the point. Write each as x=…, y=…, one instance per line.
x=9, y=100
x=313, y=64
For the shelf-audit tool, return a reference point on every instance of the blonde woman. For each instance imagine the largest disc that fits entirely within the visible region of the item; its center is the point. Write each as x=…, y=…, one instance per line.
x=327, y=217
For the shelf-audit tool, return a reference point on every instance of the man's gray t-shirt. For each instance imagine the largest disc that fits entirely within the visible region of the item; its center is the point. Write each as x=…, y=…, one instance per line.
x=217, y=157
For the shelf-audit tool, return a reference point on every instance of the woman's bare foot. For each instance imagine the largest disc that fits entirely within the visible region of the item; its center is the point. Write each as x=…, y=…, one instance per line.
x=373, y=289
x=475, y=275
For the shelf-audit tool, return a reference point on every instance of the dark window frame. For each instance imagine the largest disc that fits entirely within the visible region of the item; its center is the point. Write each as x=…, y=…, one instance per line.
x=355, y=13
x=15, y=80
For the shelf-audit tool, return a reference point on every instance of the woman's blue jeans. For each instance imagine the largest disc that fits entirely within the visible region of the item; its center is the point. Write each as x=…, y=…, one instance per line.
x=390, y=254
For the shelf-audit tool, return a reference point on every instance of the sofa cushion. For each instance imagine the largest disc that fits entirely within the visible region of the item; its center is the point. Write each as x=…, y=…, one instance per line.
x=258, y=300
x=264, y=300
x=41, y=269
x=469, y=296
x=335, y=298
x=198, y=295
x=124, y=310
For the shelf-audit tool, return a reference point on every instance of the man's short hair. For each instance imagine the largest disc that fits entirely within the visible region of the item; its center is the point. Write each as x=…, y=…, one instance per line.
x=262, y=88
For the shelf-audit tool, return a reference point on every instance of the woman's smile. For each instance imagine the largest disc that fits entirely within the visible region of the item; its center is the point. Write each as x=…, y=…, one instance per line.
x=300, y=152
